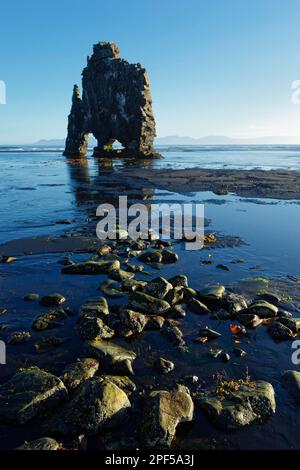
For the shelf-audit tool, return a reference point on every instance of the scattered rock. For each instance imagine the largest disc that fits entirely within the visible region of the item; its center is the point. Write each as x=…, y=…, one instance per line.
x=292, y=382
x=158, y=287
x=175, y=295
x=223, y=267
x=151, y=257
x=92, y=267
x=49, y=342
x=174, y=335
x=134, y=268
x=239, y=352
x=208, y=333
x=8, y=259
x=122, y=381
x=248, y=319
x=179, y=281
x=19, y=337
x=104, y=250
x=220, y=315
x=28, y=393
x=75, y=374
x=111, y=289
x=263, y=309
x=279, y=331
x=189, y=294
x=225, y=357
x=155, y=322
x=163, y=412
x=147, y=304
x=178, y=311
x=212, y=293
x=49, y=320
x=269, y=297
x=134, y=321
x=113, y=356
x=97, y=306
x=191, y=379
x=233, y=303
x=90, y=326
x=52, y=300
x=251, y=402
x=168, y=256
x=64, y=222
x=121, y=275
x=292, y=323
x=31, y=297
x=163, y=366
x=198, y=307
x=284, y=313
x=43, y=443
x=132, y=285
x=96, y=405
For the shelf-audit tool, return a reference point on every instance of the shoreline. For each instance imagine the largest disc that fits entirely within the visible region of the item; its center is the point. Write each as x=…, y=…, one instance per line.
x=274, y=184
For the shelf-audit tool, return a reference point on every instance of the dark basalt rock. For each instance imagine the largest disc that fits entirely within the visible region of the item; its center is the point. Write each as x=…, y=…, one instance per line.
x=116, y=104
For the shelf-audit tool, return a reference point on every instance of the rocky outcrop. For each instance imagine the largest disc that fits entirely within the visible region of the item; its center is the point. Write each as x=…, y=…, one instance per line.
x=116, y=104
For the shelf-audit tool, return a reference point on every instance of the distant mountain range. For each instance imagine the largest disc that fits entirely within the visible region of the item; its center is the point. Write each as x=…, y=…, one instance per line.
x=186, y=140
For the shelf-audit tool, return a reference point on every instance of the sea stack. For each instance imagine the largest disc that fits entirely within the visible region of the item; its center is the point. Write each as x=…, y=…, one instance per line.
x=116, y=104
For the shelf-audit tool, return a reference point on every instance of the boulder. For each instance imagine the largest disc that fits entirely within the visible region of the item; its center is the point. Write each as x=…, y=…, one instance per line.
x=52, y=300
x=49, y=320
x=175, y=295
x=253, y=402
x=213, y=293
x=263, y=309
x=158, y=287
x=151, y=257
x=279, y=331
x=233, y=303
x=122, y=381
x=120, y=275
x=168, y=256
x=43, y=443
x=174, y=335
x=291, y=322
x=28, y=393
x=148, y=304
x=92, y=267
x=113, y=356
x=97, y=306
x=19, y=337
x=96, y=405
x=132, y=285
x=179, y=281
x=155, y=322
x=75, y=374
x=198, y=307
x=164, y=410
x=134, y=321
x=90, y=327
x=163, y=366
x=291, y=379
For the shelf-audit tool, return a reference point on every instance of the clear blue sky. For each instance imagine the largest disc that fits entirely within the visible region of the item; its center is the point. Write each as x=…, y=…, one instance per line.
x=217, y=67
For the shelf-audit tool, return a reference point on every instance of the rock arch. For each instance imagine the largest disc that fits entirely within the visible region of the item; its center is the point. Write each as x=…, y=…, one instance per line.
x=116, y=104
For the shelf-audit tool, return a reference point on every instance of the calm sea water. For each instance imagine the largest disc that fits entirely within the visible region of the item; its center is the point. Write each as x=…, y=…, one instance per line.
x=39, y=188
